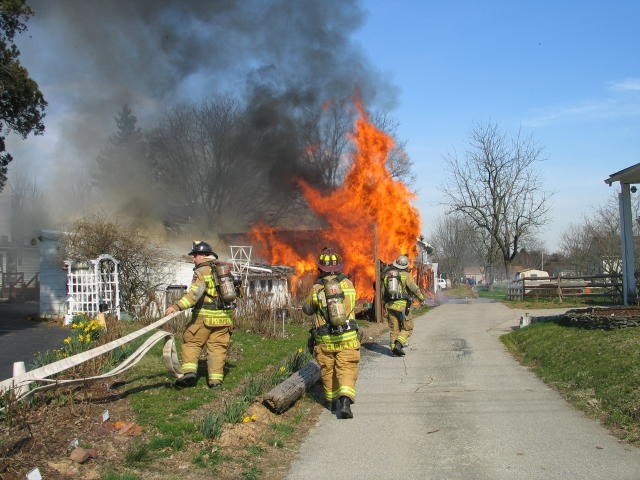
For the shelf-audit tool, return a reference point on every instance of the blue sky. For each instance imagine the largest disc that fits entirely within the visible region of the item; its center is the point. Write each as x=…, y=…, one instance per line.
x=567, y=73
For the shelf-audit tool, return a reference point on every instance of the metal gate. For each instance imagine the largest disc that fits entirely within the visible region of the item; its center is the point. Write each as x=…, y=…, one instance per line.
x=91, y=284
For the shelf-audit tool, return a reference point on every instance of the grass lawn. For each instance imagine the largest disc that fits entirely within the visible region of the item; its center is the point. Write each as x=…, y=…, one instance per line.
x=188, y=422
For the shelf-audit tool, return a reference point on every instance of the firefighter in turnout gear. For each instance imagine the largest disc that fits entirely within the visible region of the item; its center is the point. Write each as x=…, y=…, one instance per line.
x=334, y=336
x=211, y=320
x=399, y=290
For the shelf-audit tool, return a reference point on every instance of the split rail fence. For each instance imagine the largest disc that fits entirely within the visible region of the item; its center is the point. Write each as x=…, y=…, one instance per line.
x=605, y=287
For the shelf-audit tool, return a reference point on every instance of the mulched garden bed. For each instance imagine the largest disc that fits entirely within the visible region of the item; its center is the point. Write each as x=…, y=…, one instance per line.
x=603, y=318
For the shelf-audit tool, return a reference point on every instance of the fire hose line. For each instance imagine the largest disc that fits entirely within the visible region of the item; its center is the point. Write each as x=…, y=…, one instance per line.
x=20, y=383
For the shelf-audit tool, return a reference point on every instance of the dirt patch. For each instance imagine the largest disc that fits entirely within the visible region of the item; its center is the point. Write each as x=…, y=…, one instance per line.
x=49, y=434
x=44, y=436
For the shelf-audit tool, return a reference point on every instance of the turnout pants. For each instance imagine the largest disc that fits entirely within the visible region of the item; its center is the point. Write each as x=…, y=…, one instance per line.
x=338, y=370
x=216, y=339
x=400, y=327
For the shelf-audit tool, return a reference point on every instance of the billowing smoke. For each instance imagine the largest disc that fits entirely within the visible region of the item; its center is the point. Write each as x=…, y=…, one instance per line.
x=279, y=57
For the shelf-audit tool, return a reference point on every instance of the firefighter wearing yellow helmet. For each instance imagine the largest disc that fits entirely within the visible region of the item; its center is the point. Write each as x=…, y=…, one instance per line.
x=399, y=290
x=334, y=335
x=211, y=319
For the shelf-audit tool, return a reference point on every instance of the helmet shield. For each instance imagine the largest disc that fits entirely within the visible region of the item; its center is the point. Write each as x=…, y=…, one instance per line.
x=329, y=261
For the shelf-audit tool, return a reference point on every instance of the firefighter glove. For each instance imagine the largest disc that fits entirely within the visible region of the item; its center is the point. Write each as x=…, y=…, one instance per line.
x=311, y=341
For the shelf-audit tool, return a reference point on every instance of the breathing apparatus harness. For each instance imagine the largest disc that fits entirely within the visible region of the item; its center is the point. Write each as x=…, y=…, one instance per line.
x=332, y=307
x=394, y=286
x=226, y=287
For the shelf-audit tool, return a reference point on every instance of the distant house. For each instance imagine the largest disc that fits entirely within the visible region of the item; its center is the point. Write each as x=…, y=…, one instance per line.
x=531, y=274
x=18, y=257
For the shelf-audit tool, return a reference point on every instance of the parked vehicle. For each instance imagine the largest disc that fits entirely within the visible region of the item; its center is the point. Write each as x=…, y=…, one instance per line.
x=442, y=283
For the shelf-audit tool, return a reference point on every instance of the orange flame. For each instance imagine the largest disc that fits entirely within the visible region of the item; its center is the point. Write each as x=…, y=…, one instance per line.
x=368, y=200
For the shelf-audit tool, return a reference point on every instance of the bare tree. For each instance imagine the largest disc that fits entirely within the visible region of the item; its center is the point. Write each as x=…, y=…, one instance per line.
x=142, y=262
x=201, y=163
x=398, y=163
x=325, y=136
x=594, y=246
x=532, y=254
x=498, y=188
x=225, y=166
x=28, y=210
x=454, y=239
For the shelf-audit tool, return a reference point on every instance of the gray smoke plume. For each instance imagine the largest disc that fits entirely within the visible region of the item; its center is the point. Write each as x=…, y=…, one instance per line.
x=94, y=57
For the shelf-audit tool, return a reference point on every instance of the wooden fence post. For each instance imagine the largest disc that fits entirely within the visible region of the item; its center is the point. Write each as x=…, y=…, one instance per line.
x=559, y=287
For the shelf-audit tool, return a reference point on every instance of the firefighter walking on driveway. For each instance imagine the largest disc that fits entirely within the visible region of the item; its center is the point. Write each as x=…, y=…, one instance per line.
x=212, y=296
x=334, y=336
x=399, y=290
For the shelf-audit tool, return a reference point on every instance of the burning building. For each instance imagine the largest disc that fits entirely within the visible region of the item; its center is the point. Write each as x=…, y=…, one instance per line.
x=368, y=217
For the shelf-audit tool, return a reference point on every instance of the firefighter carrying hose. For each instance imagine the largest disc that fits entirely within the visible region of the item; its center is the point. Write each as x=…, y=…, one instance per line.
x=399, y=289
x=212, y=300
x=334, y=336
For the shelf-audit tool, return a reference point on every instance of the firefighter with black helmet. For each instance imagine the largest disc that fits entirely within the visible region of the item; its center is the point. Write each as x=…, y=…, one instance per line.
x=211, y=320
x=334, y=336
x=399, y=290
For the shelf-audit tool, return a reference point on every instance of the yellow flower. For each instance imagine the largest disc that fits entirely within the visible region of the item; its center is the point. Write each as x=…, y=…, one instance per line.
x=282, y=369
x=67, y=340
x=247, y=418
x=299, y=349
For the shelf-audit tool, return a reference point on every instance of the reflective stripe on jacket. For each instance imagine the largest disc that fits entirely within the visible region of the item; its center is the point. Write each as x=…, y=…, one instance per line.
x=202, y=296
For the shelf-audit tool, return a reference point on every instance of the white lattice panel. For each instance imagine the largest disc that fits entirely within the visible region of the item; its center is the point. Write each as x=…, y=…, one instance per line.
x=92, y=283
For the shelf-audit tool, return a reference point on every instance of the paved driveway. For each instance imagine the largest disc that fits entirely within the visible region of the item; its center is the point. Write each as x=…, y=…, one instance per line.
x=21, y=338
x=458, y=406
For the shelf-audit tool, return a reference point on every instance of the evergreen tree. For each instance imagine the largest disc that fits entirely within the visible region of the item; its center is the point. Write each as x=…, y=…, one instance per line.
x=120, y=175
x=22, y=104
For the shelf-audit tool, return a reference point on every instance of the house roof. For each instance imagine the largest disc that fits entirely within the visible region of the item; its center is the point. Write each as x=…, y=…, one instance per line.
x=628, y=175
x=530, y=270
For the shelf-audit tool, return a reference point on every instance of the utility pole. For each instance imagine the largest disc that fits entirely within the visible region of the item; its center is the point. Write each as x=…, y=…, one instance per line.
x=377, y=297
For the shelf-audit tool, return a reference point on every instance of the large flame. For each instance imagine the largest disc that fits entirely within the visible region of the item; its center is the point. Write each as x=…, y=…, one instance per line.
x=369, y=204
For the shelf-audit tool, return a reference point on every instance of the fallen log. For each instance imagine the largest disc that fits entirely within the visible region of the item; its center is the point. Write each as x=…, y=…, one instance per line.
x=285, y=394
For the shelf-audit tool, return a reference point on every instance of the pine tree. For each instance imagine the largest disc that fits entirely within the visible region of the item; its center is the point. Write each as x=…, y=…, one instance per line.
x=22, y=104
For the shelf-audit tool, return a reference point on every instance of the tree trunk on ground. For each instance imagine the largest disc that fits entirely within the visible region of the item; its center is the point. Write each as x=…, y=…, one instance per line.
x=285, y=394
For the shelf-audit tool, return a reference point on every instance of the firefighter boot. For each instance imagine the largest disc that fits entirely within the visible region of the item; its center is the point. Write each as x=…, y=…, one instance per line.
x=397, y=349
x=344, y=407
x=189, y=379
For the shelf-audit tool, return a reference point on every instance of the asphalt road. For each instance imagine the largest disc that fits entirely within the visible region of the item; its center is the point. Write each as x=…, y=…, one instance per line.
x=458, y=406
x=21, y=338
